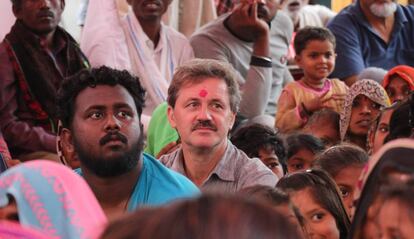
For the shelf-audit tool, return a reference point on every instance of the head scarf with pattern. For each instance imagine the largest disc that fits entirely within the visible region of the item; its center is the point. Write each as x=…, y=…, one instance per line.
x=53, y=199
x=370, y=89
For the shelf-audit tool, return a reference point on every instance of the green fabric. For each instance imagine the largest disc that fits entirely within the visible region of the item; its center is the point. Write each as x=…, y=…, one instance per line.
x=160, y=133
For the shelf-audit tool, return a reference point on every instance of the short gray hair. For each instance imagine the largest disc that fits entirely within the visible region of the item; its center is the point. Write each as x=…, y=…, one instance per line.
x=198, y=70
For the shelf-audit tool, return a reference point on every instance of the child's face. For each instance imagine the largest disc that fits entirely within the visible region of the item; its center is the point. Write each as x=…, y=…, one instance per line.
x=347, y=180
x=395, y=221
x=317, y=60
x=300, y=161
x=270, y=159
x=364, y=111
x=382, y=131
x=319, y=222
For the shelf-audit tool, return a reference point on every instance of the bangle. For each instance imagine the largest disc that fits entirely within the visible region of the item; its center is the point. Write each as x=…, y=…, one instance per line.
x=262, y=61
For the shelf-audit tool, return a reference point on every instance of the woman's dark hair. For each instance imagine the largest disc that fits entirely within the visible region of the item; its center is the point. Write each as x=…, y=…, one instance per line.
x=250, y=139
x=72, y=86
x=297, y=142
x=400, y=123
x=397, y=159
x=339, y=157
x=324, y=192
x=209, y=216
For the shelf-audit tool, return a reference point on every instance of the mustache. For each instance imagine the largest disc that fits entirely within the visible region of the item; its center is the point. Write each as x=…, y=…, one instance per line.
x=204, y=124
x=45, y=13
x=113, y=136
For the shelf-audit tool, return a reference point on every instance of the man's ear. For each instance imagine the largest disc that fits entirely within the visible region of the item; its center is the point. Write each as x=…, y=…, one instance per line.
x=298, y=60
x=171, y=117
x=67, y=141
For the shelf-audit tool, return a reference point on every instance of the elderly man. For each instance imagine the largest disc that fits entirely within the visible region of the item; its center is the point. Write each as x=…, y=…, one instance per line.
x=255, y=41
x=106, y=135
x=35, y=56
x=203, y=99
x=370, y=33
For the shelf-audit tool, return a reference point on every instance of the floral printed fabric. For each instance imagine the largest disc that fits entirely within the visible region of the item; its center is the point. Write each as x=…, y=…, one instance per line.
x=370, y=89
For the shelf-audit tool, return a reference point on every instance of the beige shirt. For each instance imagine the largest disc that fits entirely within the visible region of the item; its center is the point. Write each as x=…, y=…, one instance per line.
x=233, y=172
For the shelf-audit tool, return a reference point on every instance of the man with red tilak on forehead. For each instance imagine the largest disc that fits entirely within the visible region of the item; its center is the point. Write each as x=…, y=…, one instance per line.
x=35, y=57
x=203, y=99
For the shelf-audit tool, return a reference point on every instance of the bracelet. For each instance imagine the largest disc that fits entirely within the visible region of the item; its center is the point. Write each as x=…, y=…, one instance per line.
x=262, y=61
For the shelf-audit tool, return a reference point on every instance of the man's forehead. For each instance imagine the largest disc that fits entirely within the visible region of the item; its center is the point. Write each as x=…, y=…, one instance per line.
x=104, y=95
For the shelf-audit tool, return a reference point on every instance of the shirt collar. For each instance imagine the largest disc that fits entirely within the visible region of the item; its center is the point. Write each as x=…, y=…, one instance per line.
x=224, y=168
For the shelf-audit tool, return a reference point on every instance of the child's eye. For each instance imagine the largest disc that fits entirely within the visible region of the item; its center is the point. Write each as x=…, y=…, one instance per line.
x=344, y=192
x=317, y=216
x=328, y=55
x=313, y=55
x=272, y=165
x=297, y=166
x=383, y=129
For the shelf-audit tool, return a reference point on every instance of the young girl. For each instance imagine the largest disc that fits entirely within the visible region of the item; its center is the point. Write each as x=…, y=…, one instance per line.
x=380, y=129
x=392, y=165
x=399, y=83
x=301, y=151
x=315, y=54
x=362, y=106
x=319, y=202
x=395, y=218
x=344, y=163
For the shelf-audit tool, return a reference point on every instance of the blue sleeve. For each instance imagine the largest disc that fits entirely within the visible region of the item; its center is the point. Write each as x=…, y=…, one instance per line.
x=349, y=59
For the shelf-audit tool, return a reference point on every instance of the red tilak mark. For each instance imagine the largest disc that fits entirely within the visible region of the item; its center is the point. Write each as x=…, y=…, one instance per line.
x=203, y=93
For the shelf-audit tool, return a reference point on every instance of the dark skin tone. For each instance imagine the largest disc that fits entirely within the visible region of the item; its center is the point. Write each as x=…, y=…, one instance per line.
x=115, y=112
x=42, y=18
x=150, y=21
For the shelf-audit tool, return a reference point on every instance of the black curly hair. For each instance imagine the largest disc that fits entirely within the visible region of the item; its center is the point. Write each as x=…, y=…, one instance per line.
x=72, y=86
x=250, y=139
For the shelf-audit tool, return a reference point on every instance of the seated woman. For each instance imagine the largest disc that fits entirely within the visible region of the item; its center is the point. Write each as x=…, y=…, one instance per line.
x=362, y=106
x=51, y=198
x=399, y=83
x=301, y=151
x=319, y=202
x=380, y=129
x=344, y=163
x=392, y=165
x=209, y=216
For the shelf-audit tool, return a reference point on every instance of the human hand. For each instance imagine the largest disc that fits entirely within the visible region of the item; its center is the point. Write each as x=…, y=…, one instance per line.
x=246, y=17
x=318, y=103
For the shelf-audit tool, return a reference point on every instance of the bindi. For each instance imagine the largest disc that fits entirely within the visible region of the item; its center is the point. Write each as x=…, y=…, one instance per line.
x=203, y=93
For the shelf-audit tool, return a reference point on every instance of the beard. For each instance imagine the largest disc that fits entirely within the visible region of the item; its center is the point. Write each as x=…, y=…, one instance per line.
x=110, y=166
x=383, y=9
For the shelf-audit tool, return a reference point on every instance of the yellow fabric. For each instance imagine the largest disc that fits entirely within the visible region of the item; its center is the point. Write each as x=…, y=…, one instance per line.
x=295, y=93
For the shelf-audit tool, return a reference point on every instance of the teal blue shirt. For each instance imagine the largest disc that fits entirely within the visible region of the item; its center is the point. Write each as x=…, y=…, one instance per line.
x=158, y=185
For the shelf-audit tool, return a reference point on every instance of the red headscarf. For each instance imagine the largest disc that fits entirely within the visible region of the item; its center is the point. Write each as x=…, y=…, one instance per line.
x=405, y=72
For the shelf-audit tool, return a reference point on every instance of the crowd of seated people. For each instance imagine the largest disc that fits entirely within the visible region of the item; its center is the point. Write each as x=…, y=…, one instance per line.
x=146, y=129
